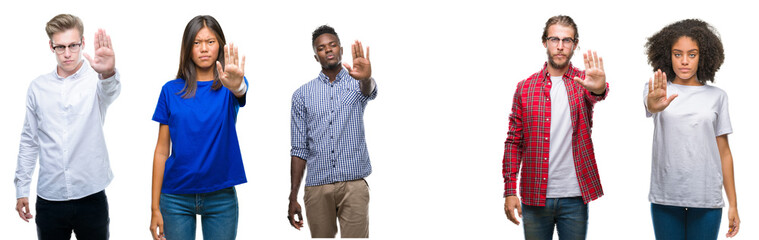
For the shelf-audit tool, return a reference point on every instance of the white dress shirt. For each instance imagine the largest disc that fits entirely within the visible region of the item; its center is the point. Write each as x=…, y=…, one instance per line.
x=64, y=127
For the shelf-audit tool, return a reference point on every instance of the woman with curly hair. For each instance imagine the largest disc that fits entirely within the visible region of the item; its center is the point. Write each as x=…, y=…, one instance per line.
x=691, y=156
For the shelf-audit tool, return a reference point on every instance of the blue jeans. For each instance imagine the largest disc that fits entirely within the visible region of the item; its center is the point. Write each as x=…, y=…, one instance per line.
x=568, y=215
x=87, y=217
x=218, y=211
x=672, y=222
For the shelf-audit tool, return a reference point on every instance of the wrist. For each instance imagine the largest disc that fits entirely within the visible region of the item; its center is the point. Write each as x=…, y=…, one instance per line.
x=242, y=89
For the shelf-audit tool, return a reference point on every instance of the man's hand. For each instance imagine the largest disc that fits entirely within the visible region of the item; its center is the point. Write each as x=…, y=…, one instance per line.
x=657, y=100
x=512, y=203
x=362, y=68
x=294, y=209
x=595, y=78
x=105, y=60
x=22, y=207
x=232, y=74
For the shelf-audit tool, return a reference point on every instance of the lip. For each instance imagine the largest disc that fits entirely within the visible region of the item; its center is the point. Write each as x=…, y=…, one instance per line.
x=330, y=56
x=204, y=57
x=684, y=69
x=68, y=61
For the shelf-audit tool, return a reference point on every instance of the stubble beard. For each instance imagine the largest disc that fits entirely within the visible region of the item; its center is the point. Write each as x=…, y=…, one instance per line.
x=555, y=64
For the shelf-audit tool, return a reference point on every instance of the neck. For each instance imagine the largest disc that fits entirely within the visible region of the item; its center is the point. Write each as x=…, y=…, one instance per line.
x=64, y=74
x=204, y=74
x=557, y=72
x=693, y=81
x=332, y=72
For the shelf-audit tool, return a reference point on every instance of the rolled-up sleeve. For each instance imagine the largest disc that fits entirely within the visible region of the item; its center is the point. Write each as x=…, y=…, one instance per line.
x=298, y=127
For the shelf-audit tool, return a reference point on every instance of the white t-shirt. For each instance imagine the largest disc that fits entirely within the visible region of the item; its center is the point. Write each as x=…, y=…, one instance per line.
x=562, y=177
x=686, y=170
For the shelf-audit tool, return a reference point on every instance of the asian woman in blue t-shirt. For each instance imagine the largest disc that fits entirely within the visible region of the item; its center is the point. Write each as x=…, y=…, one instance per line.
x=197, y=113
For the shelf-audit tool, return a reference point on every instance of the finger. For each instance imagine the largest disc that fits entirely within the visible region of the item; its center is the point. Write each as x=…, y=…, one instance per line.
x=367, y=53
x=20, y=213
x=579, y=81
x=353, y=51
x=360, y=49
x=153, y=232
x=101, y=37
x=595, y=59
x=664, y=81
x=226, y=55
x=670, y=98
x=601, y=63
x=89, y=59
x=347, y=66
x=650, y=85
x=236, y=57
x=242, y=65
x=219, y=70
x=586, y=61
x=519, y=210
x=108, y=41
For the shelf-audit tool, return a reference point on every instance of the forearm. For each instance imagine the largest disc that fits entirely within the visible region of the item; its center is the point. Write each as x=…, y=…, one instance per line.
x=159, y=163
x=728, y=178
x=367, y=86
x=297, y=168
x=109, y=88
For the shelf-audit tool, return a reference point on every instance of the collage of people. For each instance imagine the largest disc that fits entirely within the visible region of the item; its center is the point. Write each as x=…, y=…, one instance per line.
x=380, y=120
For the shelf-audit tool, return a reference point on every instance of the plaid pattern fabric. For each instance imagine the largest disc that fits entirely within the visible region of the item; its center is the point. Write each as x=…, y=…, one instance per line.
x=327, y=129
x=527, y=141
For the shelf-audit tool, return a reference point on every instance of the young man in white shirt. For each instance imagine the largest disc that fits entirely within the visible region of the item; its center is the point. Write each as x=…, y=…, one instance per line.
x=65, y=112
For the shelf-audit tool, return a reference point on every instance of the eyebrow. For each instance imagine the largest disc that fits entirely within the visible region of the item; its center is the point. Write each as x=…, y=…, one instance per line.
x=207, y=39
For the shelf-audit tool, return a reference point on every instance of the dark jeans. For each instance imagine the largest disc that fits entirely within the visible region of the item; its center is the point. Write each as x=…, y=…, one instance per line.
x=675, y=223
x=568, y=215
x=87, y=217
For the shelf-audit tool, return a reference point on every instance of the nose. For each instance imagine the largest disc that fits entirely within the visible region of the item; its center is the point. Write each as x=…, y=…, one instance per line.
x=684, y=61
x=67, y=52
x=204, y=47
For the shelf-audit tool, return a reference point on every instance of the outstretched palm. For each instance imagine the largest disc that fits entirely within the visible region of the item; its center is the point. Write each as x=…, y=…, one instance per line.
x=657, y=99
x=595, y=77
x=104, y=61
x=231, y=75
x=362, y=67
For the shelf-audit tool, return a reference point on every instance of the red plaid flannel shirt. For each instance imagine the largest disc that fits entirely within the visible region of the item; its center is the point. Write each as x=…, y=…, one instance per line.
x=528, y=137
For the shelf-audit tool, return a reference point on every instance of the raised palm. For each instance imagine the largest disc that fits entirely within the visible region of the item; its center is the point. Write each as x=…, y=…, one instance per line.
x=657, y=99
x=362, y=67
x=104, y=61
x=595, y=77
x=231, y=75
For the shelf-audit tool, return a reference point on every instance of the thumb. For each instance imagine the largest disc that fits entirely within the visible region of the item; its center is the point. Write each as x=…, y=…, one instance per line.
x=219, y=69
x=347, y=66
x=519, y=210
x=670, y=98
x=87, y=56
x=579, y=81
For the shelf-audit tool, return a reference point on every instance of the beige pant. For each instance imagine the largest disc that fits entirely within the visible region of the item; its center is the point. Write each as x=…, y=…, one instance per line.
x=347, y=202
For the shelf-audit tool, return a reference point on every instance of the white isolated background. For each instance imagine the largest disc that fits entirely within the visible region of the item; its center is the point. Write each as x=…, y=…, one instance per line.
x=446, y=74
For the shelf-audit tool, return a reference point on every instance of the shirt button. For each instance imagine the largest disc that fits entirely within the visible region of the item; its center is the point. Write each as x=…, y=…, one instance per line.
x=330, y=98
x=333, y=151
x=546, y=139
x=545, y=159
x=330, y=123
x=331, y=137
x=548, y=119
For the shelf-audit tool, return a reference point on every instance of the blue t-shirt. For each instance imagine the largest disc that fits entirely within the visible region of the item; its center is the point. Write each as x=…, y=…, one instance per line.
x=205, y=155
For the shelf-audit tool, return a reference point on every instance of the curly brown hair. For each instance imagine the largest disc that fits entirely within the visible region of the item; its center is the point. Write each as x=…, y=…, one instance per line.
x=711, y=53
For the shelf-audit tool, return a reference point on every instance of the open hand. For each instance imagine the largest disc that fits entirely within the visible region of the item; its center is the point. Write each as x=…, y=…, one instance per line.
x=362, y=68
x=595, y=77
x=231, y=75
x=105, y=60
x=657, y=99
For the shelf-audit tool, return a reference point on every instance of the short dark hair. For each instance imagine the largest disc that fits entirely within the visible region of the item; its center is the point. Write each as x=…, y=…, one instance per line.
x=563, y=20
x=710, y=50
x=322, y=30
x=186, y=65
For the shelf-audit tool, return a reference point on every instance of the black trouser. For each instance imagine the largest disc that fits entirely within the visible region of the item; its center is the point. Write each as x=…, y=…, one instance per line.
x=87, y=217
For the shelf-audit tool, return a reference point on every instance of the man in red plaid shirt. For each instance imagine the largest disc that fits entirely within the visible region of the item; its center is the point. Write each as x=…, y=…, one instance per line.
x=549, y=137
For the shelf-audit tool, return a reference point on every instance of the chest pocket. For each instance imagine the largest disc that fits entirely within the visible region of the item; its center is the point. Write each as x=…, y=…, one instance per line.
x=350, y=96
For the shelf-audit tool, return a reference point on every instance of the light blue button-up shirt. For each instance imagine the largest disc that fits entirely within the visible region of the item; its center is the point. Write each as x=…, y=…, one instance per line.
x=327, y=129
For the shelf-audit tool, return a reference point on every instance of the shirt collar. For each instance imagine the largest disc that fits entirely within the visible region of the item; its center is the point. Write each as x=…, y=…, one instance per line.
x=340, y=76
x=85, y=65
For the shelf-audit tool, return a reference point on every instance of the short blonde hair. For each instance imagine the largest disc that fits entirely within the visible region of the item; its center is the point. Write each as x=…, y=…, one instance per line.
x=64, y=22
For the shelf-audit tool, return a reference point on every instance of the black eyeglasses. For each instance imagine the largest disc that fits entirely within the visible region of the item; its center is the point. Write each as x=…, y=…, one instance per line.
x=74, y=48
x=566, y=42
